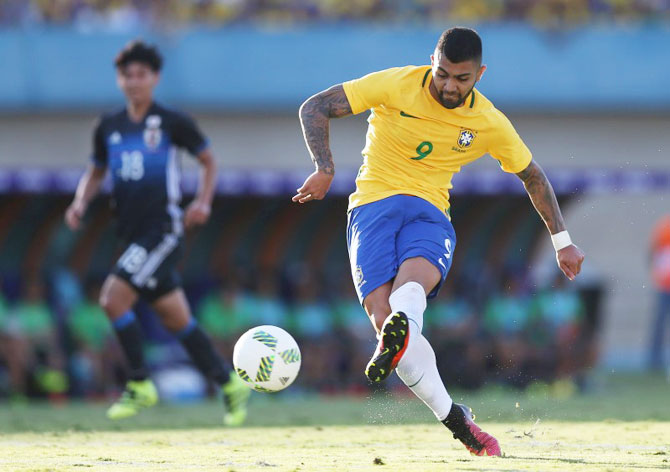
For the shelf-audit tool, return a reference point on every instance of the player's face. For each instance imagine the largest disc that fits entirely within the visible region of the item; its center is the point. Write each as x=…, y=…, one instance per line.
x=453, y=81
x=137, y=81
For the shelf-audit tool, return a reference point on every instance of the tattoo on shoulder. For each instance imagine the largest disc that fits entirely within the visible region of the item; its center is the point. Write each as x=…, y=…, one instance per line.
x=333, y=102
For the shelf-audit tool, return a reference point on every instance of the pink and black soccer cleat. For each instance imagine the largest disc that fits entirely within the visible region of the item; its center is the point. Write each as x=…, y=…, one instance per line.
x=461, y=422
x=392, y=345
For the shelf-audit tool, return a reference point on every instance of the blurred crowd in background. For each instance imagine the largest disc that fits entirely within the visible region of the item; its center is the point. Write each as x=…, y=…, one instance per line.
x=57, y=342
x=125, y=15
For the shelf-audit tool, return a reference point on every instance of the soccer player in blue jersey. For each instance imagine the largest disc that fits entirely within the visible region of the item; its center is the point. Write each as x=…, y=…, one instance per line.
x=139, y=145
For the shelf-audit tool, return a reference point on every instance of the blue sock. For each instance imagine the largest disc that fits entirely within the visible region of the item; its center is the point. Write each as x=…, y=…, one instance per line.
x=203, y=354
x=186, y=330
x=129, y=332
x=124, y=320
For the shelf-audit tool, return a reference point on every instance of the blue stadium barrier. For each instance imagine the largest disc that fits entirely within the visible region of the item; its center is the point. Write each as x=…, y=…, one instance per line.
x=251, y=68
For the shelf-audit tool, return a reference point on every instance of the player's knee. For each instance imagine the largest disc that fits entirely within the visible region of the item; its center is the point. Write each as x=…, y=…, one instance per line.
x=105, y=302
x=110, y=306
x=175, y=322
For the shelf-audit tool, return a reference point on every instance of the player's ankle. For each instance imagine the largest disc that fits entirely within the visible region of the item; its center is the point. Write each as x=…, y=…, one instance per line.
x=455, y=420
x=138, y=376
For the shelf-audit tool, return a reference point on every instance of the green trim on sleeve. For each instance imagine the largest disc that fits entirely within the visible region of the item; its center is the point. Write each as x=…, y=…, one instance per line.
x=425, y=77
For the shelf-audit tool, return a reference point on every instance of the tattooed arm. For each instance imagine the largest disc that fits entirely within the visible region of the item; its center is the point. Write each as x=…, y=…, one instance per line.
x=542, y=195
x=544, y=200
x=315, y=115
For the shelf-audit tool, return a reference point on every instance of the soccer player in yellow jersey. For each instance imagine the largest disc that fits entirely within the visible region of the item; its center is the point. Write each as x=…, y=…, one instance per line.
x=426, y=122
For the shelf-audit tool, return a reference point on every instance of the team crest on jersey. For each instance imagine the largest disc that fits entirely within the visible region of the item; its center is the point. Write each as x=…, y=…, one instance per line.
x=152, y=133
x=465, y=138
x=115, y=138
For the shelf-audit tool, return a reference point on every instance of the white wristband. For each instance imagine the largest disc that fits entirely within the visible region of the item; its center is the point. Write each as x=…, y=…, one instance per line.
x=561, y=240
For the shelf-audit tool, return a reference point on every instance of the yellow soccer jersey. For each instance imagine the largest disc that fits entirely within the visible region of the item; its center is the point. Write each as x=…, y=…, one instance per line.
x=414, y=145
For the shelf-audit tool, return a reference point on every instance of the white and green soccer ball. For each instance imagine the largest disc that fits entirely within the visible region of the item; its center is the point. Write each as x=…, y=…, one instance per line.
x=267, y=358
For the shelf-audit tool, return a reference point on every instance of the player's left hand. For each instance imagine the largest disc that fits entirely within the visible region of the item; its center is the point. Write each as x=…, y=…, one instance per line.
x=315, y=187
x=197, y=213
x=570, y=261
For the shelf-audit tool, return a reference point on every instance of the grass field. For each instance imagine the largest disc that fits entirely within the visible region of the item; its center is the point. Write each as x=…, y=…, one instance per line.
x=622, y=425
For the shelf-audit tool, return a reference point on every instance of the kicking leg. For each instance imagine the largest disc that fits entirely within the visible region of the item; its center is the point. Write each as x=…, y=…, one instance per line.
x=391, y=334
x=377, y=306
x=175, y=314
x=401, y=312
x=417, y=366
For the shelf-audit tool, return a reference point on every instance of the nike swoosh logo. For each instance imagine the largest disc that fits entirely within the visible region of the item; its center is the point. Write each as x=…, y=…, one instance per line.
x=442, y=263
x=406, y=115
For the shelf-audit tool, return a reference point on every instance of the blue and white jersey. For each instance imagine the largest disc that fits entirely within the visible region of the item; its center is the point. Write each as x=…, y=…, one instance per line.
x=143, y=159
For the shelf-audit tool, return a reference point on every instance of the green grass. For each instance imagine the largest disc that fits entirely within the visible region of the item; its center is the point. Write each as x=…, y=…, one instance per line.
x=622, y=425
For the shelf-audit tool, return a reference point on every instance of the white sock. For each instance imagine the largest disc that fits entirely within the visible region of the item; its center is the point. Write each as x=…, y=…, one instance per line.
x=410, y=298
x=418, y=370
x=418, y=367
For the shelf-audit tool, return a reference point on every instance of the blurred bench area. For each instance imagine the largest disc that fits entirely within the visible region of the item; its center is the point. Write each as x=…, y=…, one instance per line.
x=268, y=261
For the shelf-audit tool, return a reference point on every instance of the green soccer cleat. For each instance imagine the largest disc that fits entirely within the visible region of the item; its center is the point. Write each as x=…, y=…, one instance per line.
x=235, y=397
x=137, y=395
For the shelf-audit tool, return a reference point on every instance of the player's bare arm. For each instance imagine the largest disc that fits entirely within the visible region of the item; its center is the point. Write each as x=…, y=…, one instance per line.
x=200, y=208
x=542, y=195
x=315, y=115
x=87, y=188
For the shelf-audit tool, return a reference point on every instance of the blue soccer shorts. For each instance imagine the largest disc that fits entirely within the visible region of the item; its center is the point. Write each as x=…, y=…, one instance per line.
x=381, y=235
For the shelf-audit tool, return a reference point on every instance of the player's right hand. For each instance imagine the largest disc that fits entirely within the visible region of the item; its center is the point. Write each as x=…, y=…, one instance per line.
x=570, y=261
x=315, y=187
x=74, y=214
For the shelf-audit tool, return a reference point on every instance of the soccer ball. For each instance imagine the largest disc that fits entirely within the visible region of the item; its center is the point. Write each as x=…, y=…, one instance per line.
x=267, y=358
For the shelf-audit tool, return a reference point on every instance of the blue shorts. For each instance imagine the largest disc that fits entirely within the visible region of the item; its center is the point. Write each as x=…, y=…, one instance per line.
x=381, y=235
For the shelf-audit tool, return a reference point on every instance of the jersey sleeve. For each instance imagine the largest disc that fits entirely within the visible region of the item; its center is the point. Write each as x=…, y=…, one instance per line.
x=186, y=134
x=508, y=148
x=99, y=154
x=371, y=90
